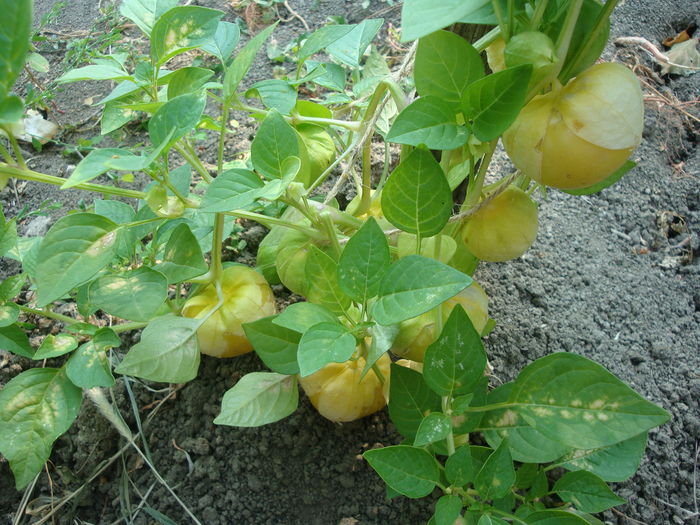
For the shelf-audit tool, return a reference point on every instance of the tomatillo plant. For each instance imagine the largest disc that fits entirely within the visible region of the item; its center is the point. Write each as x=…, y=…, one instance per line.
x=391, y=273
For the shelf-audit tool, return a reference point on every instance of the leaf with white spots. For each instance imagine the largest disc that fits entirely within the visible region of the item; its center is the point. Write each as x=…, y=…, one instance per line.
x=136, y=295
x=56, y=345
x=8, y=314
x=181, y=29
x=434, y=427
x=497, y=475
x=586, y=491
x=614, y=463
x=89, y=366
x=73, y=251
x=577, y=402
x=36, y=407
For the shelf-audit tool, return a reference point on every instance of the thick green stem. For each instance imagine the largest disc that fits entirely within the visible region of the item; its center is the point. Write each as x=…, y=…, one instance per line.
x=352, y=125
x=15, y=147
x=222, y=139
x=502, y=23
x=27, y=174
x=564, y=39
x=128, y=327
x=217, y=247
x=270, y=222
x=193, y=161
x=6, y=155
x=49, y=314
x=476, y=184
x=537, y=15
x=488, y=39
x=366, y=199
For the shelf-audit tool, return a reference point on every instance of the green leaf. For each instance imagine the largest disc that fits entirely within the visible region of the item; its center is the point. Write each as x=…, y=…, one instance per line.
x=497, y=475
x=136, y=295
x=422, y=17
x=445, y=66
x=586, y=491
x=440, y=247
x=144, y=13
x=15, y=32
x=14, y=340
x=276, y=188
x=435, y=427
x=323, y=37
x=322, y=344
x=455, y=363
x=410, y=400
x=428, y=121
x=383, y=338
x=554, y=517
x=38, y=63
x=363, y=262
x=168, y=351
x=417, y=198
x=234, y=189
x=526, y=443
x=12, y=286
x=577, y=402
x=275, y=94
x=614, y=463
x=447, y=510
x=257, y=399
x=182, y=257
x=11, y=111
x=413, y=285
x=321, y=274
x=100, y=161
x=73, y=251
x=36, y=407
x=459, y=468
x=176, y=118
x=8, y=314
x=351, y=47
x=302, y=316
x=487, y=519
x=609, y=181
x=410, y=471
x=8, y=235
x=56, y=345
x=180, y=29
x=493, y=103
x=275, y=345
x=89, y=366
x=187, y=81
x=244, y=59
x=273, y=143
x=224, y=42
x=95, y=72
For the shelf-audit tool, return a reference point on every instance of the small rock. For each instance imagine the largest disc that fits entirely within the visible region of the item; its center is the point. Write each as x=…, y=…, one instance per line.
x=38, y=227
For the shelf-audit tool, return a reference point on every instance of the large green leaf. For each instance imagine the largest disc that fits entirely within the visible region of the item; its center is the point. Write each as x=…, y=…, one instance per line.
x=15, y=31
x=445, y=66
x=321, y=274
x=351, y=46
x=447, y=510
x=586, y=491
x=455, y=363
x=577, y=402
x=136, y=294
x=526, y=443
x=234, y=189
x=363, y=262
x=13, y=339
x=497, y=475
x=413, y=285
x=182, y=256
x=428, y=121
x=74, y=249
x=244, y=59
x=302, y=316
x=410, y=400
x=8, y=234
x=168, y=351
x=417, y=197
x=224, y=42
x=323, y=37
x=493, y=103
x=11, y=110
x=614, y=463
x=56, y=345
x=144, y=13
x=177, y=117
x=180, y=29
x=8, y=314
x=258, y=399
x=410, y=471
x=422, y=17
x=89, y=365
x=273, y=143
x=100, y=161
x=95, y=72
x=275, y=94
x=188, y=80
x=276, y=345
x=554, y=517
x=322, y=344
x=36, y=407
x=459, y=469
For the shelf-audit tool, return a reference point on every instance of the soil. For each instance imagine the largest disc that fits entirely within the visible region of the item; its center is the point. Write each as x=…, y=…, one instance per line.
x=613, y=276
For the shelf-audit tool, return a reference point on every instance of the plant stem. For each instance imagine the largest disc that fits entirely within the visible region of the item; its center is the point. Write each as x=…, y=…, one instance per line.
x=486, y=40
x=603, y=17
x=505, y=32
x=6, y=155
x=128, y=327
x=194, y=162
x=49, y=314
x=564, y=38
x=352, y=125
x=507, y=515
x=269, y=222
x=366, y=199
x=537, y=15
x=27, y=174
x=217, y=246
x=222, y=138
x=15, y=147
